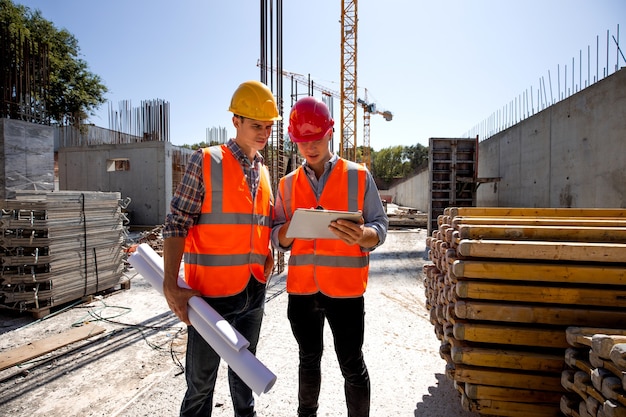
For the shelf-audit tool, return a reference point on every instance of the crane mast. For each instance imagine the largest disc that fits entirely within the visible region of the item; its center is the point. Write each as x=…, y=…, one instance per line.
x=347, y=147
x=369, y=109
x=367, y=157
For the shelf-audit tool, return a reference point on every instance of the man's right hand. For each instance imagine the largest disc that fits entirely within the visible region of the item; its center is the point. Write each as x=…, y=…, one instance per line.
x=176, y=296
x=284, y=241
x=177, y=299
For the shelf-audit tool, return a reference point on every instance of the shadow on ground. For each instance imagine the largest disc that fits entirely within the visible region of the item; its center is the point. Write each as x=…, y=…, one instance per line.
x=443, y=400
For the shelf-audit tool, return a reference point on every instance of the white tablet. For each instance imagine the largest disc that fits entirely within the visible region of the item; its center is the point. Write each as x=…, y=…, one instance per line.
x=313, y=223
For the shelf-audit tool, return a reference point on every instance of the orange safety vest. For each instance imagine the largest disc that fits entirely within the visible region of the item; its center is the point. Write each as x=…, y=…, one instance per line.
x=230, y=240
x=327, y=265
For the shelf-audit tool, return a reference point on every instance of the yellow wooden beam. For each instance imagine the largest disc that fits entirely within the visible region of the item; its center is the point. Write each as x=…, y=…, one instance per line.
x=584, y=296
x=510, y=335
x=508, y=378
x=538, y=271
x=537, y=212
x=462, y=353
x=486, y=392
x=540, y=221
x=537, y=314
x=540, y=250
x=549, y=232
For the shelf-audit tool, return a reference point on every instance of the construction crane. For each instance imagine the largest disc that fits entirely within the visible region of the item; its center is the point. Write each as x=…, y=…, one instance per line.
x=311, y=86
x=347, y=145
x=369, y=109
x=348, y=152
x=348, y=92
x=305, y=81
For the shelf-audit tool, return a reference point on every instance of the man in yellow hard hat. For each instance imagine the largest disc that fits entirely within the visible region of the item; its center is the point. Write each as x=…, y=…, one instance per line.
x=220, y=223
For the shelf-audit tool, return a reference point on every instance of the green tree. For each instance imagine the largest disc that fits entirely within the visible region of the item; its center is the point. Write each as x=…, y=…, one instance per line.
x=199, y=145
x=417, y=155
x=390, y=163
x=73, y=92
x=398, y=161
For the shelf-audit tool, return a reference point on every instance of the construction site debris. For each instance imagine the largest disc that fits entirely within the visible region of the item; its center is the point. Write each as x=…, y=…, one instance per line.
x=400, y=216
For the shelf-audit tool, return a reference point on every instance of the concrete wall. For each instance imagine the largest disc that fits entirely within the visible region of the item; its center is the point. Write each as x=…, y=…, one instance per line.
x=412, y=192
x=572, y=154
x=148, y=181
x=26, y=157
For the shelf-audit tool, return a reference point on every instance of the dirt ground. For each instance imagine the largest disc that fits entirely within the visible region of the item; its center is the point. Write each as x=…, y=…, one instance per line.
x=134, y=368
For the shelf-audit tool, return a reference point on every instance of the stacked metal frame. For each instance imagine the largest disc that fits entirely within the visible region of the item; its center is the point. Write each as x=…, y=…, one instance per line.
x=56, y=247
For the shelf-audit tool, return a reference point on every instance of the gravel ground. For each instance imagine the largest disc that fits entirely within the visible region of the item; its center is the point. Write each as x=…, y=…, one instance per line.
x=134, y=367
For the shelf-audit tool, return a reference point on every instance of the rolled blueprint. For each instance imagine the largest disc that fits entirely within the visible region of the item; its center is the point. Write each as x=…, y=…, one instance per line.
x=227, y=342
x=207, y=313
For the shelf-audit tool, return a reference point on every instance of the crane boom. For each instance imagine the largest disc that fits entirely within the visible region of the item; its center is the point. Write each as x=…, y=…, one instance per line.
x=307, y=82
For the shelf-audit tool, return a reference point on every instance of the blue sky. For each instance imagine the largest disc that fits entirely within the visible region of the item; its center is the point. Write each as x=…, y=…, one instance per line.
x=441, y=67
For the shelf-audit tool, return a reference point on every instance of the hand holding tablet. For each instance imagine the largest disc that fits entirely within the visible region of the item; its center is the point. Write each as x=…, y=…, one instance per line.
x=313, y=223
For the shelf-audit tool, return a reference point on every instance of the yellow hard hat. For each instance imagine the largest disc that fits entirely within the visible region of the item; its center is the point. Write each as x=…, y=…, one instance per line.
x=254, y=100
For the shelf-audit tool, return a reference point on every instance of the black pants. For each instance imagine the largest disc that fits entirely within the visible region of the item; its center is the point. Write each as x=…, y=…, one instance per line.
x=346, y=318
x=244, y=312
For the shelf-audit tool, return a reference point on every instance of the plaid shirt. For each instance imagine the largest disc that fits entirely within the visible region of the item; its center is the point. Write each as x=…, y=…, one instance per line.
x=187, y=201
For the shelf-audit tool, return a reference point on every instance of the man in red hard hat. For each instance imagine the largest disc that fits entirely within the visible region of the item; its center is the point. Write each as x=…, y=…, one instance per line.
x=327, y=278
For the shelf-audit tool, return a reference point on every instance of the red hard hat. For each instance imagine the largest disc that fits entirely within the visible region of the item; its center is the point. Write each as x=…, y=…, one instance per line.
x=309, y=120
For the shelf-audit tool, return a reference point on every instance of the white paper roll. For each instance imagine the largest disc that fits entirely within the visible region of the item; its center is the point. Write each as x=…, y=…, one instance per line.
x=207, y=313
x=223, y=338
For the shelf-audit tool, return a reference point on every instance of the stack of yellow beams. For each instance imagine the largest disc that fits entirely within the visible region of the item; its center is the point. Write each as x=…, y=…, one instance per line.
x=596, y=373
x=503, y=286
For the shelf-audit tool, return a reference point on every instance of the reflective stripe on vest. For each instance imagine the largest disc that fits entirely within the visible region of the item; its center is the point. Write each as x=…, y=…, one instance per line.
x=230, y=240
x=327, y=265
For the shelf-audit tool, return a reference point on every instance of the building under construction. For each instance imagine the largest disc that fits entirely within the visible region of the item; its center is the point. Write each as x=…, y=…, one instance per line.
x=525, y=277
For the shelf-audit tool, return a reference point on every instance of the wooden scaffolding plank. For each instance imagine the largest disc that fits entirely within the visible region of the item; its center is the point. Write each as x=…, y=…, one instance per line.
x=540, y=221
x=538, y=314
x=510, y=335
x=486, y=392
x=618, y=355
x=552, y=233
x=611, y=388
x=579, y=336
x=508, y=378
x=570, y=404
x=533, y=211
x=540, y=271
x=493, y=290
x=598, y=362
x=41, y=347
x=540, y=250
x=578, y=359
x=498, y=357
x=513, y=408
x=602, y=344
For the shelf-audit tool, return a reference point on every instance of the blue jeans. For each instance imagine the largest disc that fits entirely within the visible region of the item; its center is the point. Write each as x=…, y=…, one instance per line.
x=346, y=318
x=244, y=312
